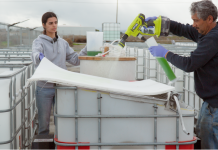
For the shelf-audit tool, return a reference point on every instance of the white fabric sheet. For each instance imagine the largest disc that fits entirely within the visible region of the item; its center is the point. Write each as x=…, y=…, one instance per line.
x=48, y=71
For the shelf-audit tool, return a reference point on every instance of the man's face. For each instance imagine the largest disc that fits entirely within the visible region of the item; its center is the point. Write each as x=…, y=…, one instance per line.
x=202, y=26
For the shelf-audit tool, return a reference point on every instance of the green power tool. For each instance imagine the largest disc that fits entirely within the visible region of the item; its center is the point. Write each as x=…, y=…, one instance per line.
x=162, y=28
x=161, y=24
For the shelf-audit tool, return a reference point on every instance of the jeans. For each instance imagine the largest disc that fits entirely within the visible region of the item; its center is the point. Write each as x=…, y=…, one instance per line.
x=44, y=100
x=207, y=126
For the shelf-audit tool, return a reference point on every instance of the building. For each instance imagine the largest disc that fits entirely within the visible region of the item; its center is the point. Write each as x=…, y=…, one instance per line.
x=72, y=30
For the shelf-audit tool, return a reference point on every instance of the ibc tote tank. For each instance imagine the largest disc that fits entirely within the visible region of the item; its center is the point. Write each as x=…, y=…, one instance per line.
x=118, y=68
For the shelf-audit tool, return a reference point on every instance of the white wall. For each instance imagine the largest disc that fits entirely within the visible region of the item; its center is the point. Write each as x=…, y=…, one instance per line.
x=72, y=30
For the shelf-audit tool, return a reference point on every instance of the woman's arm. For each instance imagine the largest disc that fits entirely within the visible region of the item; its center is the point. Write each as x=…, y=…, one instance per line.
x=72, y=57
x=36, y=50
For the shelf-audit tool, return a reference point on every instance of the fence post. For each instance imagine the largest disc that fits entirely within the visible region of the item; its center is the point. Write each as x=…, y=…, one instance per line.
x=20, y=36
x=8, y=34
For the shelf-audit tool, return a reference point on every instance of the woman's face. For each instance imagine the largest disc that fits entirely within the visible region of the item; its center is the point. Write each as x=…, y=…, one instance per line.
x=51, y=25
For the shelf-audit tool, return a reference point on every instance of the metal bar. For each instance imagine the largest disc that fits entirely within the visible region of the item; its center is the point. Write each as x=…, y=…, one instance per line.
x=199, y=103
x=22, y=112
x=189, y=91
x=30, y=122
x=148, y=66
x=125, y=144
x=31, y=138
x=21, y=36
x=143, y=59
x=11, y=116
x=137, y=61
x=14, y=112
x=8, y=36
x=184, y=81
x=28, y=107
x=55, y=112
x=99, y=119
x=156, y=68
x=14, y=136
x=123, y=116
x=17, y=72
x=155, y=126
x=7, y=110
x=76, y=119
x=177, y=130
x=188, y=75
x=66, y=87
x=28, y=103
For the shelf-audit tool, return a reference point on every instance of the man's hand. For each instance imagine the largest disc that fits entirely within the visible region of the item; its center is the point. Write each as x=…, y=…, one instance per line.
x=150, y=18
x=158, y=51
x=41, y=56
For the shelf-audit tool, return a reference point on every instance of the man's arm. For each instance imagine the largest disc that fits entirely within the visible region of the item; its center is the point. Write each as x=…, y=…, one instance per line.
x=184, y=30
x=206, y=50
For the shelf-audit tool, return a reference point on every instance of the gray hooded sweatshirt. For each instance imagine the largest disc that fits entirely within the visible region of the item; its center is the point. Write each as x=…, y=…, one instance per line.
x=57, y=52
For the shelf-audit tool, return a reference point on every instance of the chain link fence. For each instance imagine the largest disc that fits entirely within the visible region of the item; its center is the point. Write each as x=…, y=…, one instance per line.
x=14, y=36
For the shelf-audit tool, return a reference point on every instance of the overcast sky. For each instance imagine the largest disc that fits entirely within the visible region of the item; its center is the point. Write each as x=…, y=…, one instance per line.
x=93, y=12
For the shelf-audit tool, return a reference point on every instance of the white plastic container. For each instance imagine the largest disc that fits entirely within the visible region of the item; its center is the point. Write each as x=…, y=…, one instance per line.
x=109, y=68
x=5, y=130
x=5, y=104
x=94, y=42
x=116, y=130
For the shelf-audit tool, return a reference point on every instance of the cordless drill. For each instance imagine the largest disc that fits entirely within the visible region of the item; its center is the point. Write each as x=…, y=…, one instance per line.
x=161, y=24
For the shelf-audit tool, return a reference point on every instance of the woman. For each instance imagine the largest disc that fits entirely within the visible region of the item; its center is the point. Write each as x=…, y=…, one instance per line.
x=58, y=51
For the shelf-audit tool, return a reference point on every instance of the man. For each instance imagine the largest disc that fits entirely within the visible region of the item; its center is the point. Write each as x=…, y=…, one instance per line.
x=204, y=62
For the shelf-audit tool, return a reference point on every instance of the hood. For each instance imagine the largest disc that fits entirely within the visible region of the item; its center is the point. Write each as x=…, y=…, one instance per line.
x=47, y=38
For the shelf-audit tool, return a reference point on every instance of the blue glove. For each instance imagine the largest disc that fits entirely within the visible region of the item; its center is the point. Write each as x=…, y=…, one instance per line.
x=158, y=51
x=41, y=56
x=150, y=18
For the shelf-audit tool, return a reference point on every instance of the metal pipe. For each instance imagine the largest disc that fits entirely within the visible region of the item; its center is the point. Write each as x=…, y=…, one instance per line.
x=13, y=74
x=76, y=119
x=7, y=110
x=99, y=119
x=8, y=34
x=125, y=144
x=123, y=116
x=117, y=12
x=155, y=126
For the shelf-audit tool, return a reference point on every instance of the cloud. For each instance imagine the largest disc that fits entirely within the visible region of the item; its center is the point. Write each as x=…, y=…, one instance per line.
x=73, y=13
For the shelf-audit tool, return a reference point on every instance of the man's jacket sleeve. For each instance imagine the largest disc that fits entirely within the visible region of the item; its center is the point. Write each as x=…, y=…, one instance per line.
x=205, y=51
x=184, y=30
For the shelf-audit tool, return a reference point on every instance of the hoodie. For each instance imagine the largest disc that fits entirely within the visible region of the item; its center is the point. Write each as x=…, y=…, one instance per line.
x=57, y=52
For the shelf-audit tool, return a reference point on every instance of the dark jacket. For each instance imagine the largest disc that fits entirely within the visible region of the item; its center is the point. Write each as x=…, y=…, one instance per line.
x=203, y=60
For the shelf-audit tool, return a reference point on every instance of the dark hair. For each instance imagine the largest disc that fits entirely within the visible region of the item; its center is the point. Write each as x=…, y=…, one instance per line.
x=45, y=17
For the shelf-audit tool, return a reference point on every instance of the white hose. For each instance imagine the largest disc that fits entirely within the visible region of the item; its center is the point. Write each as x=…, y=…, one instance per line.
x=180, y=116
x=101, y=54
x=115, y=41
